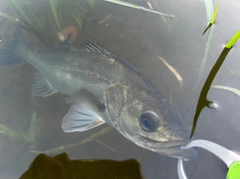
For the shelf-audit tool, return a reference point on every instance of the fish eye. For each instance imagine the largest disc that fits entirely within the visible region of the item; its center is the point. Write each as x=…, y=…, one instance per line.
x=148, y=122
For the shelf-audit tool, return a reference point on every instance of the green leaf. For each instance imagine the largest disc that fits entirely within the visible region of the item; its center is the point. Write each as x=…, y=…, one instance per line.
x=10, y=18
x=31, y=132
x=208, y=7
x=233, y=40
x=10, y=132
x=128, y=4
x=91, y=2
x=15, y=4
x=208, y=27
x=203, y=101
x=215, y=14
x=57, y=9
x=77, y=17
x=54, y=12
x=30, y=137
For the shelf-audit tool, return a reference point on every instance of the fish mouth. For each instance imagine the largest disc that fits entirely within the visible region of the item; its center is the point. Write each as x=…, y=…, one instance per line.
x=162, y=144
x=169, y=148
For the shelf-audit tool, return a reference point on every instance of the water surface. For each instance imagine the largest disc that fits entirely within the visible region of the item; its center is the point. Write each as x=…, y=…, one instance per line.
x=138, y=37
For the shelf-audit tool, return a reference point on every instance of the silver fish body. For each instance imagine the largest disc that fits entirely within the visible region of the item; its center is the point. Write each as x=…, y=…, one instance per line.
x=105, y=89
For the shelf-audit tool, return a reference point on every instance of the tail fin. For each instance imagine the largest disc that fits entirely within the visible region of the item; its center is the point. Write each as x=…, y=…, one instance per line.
x=8, y=53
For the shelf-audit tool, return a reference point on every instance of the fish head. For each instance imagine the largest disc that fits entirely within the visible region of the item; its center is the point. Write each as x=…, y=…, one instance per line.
x=146, y=118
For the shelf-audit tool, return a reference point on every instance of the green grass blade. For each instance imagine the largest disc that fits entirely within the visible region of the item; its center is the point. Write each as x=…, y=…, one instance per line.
x=16, y=136
x=77, y=17
x=212, y=19
x=53, y=7
x=209, y=12
x=228, y=88
x=19, y=9
x=57, y=10
x=209, y=9
x=91, y=3
x=207, y=49
x=11, y=133
x=31, y=132
x=215, y=14
x=128, y=4
x=203, y=101
x=233, y=40
x=25, y=26
x=208, y=27
x=206, y=52
x=12, y=19
x=60, y=6
x=8, y=17
x=79, y=20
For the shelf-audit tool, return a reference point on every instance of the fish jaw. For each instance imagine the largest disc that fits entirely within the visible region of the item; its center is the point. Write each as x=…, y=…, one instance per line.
x=170, y=148
x=179, y=153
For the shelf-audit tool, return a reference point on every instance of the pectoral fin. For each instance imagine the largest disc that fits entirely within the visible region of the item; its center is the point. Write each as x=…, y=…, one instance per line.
x=84, y=114
x=41, y=87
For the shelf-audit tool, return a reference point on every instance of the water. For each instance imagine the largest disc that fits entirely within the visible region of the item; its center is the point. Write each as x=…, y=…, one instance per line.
x=138, y=37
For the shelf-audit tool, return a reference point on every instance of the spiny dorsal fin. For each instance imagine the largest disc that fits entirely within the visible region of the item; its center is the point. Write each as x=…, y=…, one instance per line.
x=89, y=45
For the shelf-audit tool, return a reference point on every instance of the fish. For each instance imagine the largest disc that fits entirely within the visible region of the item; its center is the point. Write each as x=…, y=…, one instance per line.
x=102, y=88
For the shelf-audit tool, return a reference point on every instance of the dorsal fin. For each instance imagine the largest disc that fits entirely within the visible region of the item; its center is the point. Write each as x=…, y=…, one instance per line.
x=89, y=45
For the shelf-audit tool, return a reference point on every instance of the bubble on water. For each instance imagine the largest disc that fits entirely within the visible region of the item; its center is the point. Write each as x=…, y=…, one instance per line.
x=213, y=105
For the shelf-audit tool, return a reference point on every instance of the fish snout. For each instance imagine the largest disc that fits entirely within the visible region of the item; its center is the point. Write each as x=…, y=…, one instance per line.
x=179, y=152
x=172, y=148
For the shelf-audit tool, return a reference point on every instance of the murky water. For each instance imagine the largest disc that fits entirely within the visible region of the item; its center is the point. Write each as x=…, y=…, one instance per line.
x=138, y=37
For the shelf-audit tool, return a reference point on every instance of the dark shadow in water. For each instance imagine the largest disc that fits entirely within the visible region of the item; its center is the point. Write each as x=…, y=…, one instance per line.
x=61, y=167
x=203, y=101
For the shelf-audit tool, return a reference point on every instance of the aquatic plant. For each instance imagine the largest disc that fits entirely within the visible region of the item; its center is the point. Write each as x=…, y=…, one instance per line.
x=131, y=5
x=14, y=135
x=203, y=101
x=233, y=40
x=28, y=20
x=213, y=19
x=90, y=138
x=78, y=16
x=78, y=12
x=24, y=12
x=17, y=5
x=23, y=24
x=91, y=3
x=210, y=15
x=57, y=10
